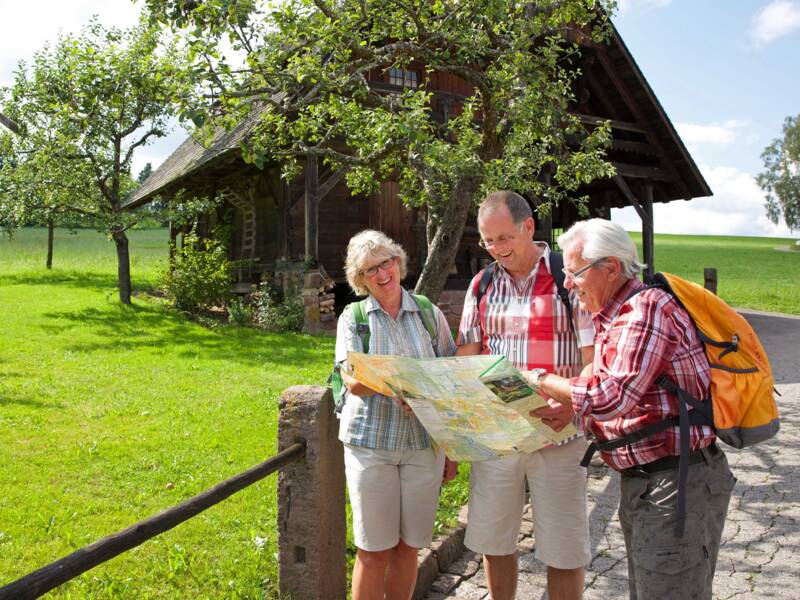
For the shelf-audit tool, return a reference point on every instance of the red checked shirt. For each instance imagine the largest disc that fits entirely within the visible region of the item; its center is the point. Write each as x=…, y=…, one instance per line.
x=526, y=321
x=639, y=338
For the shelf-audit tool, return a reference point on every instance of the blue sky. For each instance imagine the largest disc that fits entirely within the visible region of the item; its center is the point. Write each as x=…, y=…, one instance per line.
x=725, y=71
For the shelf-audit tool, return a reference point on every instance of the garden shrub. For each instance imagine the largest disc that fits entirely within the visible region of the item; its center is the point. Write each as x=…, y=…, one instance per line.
x=275, y=312
x=201, y=276
x=239, y=312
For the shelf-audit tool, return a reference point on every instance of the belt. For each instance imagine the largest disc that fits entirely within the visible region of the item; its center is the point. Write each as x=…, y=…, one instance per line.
x=672, y=462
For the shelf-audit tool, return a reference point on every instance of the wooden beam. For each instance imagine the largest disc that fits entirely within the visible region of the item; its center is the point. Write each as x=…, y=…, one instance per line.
x=641, y=172
x=334, y=178
x=626, y=191
x=597, y=90
x=648, y=245
x=635, y=147
x=284, y=223
x=615, y=124
x=312, y=210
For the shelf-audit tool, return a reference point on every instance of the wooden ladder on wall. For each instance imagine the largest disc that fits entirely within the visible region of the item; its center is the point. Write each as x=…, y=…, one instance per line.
x=244, y=200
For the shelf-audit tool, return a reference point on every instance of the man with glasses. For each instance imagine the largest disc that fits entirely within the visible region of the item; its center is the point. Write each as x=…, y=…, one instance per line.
x=645, y=336
x=521, y=316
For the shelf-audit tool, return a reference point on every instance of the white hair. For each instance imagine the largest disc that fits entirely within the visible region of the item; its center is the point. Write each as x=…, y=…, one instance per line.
x=366, y=245
x=599, y=239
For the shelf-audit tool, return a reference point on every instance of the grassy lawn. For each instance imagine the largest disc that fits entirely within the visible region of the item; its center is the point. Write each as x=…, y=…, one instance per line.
x=109, y=414
x=752, y=273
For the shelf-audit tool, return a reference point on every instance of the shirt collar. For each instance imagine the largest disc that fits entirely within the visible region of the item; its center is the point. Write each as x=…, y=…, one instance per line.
x=545, y=248
x=407, y=303
x=610, y=311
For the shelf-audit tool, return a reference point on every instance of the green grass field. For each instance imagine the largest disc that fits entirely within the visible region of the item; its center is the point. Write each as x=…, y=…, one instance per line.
x=752, y=272
x=109, y=414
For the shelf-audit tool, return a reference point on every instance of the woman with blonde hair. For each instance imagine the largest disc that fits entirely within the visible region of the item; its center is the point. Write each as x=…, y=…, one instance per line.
x=393, y=473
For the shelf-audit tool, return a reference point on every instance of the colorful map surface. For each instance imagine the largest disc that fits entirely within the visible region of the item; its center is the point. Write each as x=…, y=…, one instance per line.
x=474, y=407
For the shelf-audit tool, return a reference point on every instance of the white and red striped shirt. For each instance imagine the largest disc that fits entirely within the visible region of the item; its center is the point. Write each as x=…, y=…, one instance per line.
x=526, y=321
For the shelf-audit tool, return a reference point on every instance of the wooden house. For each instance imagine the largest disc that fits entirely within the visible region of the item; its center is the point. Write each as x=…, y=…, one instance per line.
x=281, y=227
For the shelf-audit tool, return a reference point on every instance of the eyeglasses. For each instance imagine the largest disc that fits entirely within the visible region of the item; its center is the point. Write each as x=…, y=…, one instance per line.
x=384, y=265
x=579, y=272
x=501, y=241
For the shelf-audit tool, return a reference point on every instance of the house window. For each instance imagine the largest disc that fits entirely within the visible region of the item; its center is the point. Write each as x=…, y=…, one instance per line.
x=403, y=78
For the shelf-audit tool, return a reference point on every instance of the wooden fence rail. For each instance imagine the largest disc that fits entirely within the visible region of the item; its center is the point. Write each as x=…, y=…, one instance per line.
x=59, y=572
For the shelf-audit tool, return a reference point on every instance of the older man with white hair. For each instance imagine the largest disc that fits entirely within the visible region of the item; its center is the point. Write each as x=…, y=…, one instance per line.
x=643, y=334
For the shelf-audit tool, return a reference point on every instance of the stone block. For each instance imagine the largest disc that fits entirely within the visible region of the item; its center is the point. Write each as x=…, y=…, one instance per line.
x=427, y=573
x=311, y=498
x=526, y=544
x=445, y=582
x=449, y=548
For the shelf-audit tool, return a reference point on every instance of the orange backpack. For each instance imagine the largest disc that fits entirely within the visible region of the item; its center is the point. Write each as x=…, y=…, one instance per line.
x=742, y=400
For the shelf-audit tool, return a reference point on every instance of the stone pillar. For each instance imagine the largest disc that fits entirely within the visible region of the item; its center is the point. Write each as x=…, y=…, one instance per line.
x=312, y=531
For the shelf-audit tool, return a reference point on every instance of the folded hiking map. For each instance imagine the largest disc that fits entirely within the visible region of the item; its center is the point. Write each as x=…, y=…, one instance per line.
x=474, y=407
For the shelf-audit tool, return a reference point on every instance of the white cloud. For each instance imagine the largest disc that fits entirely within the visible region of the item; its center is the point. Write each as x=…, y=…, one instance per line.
x=713, y=133
x=736, y=208
x=777, y=19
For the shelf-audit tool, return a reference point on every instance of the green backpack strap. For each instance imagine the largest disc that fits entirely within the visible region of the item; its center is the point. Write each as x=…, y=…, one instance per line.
x=362, y=323
x=335, y=381
x=428, y=319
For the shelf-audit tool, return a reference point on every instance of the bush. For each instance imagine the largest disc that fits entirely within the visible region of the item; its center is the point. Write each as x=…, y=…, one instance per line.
x=274, y=312
x=239, y=312
x=201, y=276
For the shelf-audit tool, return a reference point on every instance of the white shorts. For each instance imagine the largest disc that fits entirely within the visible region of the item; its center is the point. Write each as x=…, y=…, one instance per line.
x=557, y=484
x=393, y=495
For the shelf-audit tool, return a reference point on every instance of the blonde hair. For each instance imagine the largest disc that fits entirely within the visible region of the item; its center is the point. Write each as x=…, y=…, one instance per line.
x=366, y=245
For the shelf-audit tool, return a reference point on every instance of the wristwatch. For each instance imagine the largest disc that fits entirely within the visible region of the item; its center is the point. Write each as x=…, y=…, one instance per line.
x=533, y=377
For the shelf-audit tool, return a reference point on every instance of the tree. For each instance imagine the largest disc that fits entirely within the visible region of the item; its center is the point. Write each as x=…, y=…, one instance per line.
x=146, y=171
x=82, y=108
x=781, y=178
x=306, y=71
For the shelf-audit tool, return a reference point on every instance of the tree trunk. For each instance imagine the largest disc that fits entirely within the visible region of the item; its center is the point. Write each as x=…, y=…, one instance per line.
x=50, y=243
x=442, y=250
x=123, y=266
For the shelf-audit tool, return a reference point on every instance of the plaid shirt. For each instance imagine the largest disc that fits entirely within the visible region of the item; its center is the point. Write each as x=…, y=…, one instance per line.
x=526, y=321
x=638, y=338
x=376, y=421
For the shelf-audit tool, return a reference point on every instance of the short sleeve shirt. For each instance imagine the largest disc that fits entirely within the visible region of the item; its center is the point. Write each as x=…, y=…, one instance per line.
x=377, y=421
x=526, y=321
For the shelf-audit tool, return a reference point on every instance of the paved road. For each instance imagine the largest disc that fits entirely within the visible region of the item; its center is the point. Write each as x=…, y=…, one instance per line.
x=760, y=553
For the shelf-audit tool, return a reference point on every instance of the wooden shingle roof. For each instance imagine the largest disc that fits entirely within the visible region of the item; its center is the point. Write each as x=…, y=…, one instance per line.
x=190, y=158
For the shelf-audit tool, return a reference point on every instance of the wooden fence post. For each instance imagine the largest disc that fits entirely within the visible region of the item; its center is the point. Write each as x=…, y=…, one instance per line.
x=710, y=276
x=312, y=531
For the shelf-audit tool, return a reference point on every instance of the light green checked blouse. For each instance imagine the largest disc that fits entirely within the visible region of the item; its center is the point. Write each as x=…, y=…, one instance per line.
x=377, y=421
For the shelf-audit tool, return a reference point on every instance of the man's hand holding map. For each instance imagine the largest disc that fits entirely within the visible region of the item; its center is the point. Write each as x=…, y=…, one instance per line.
x=474, y=407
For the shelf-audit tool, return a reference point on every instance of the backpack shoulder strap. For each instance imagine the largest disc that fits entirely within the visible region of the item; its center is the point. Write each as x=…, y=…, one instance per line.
x=362, y=322
x=557, y=272
x=428, y=319
x=483, y=285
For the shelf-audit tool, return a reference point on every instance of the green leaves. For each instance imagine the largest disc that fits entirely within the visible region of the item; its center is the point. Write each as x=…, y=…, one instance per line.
x=781, y=177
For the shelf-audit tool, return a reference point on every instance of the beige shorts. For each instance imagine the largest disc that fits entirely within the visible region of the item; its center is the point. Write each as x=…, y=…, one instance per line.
x=557, y=484
x=393, y=495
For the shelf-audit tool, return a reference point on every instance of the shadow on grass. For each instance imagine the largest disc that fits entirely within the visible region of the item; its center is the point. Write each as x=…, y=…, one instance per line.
x=27, y=401
x=148, y=326
x=103, y=282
